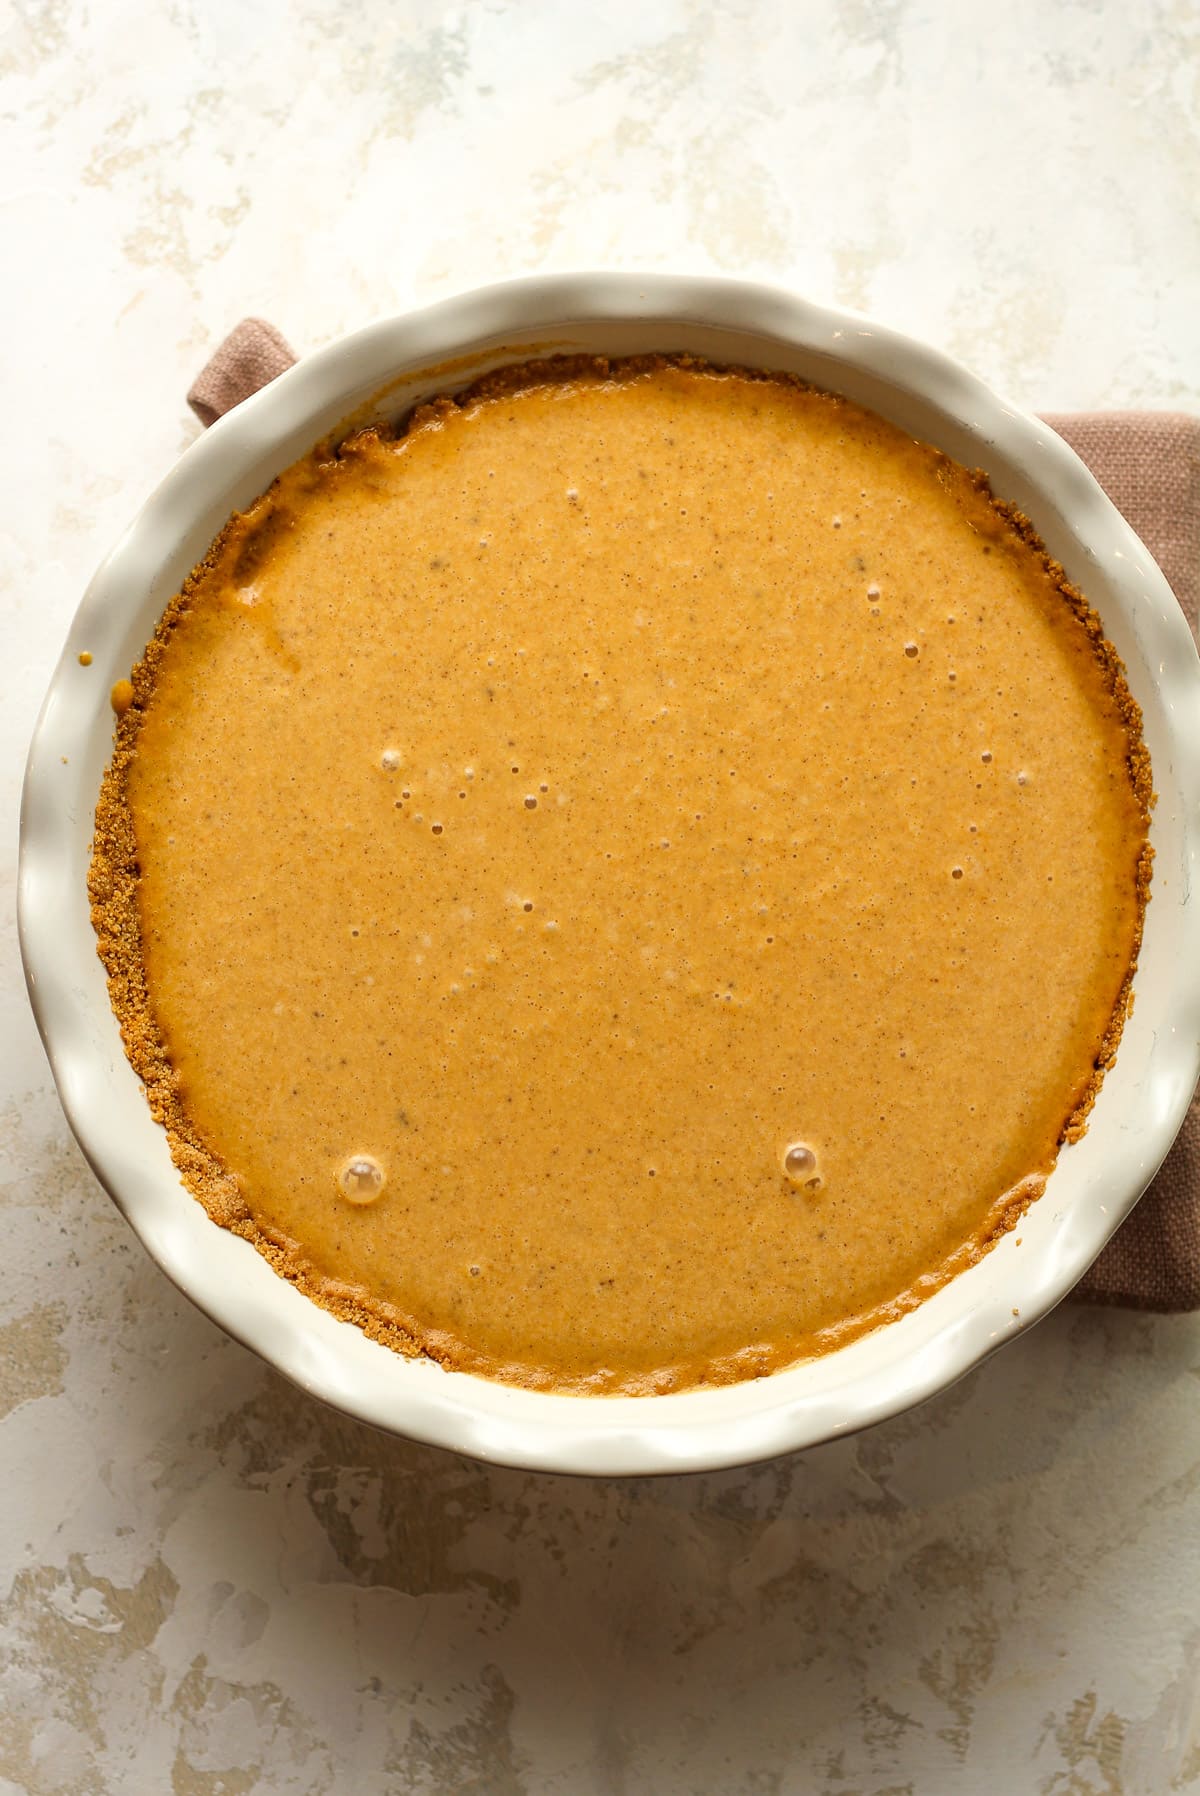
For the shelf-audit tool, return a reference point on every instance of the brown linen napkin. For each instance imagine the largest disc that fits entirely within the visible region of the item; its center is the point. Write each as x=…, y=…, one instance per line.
x=250, y=357
x=1149, y=465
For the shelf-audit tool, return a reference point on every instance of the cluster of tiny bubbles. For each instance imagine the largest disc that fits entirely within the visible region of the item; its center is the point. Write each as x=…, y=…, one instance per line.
x=389, y=760
x=800, y=1165
x=361, y=1179
x=910, y=649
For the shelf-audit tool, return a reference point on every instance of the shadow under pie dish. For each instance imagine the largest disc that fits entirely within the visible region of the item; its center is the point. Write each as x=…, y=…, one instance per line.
x=733, y=783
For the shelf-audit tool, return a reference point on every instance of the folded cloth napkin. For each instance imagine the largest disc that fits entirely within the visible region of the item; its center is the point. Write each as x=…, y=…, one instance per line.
x=1149, y=465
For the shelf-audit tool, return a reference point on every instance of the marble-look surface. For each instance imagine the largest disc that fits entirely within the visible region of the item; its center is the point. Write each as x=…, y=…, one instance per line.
x=207, y=1583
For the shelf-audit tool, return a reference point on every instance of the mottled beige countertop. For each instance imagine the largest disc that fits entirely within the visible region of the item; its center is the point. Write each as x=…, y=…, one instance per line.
x=208, y=1584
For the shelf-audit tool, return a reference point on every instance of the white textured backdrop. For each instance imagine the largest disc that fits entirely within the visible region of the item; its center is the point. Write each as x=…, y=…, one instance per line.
x=209, y=1585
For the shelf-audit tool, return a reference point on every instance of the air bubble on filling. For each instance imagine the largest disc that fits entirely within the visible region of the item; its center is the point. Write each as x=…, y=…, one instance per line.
x=361, y=1179
x=800, y=1163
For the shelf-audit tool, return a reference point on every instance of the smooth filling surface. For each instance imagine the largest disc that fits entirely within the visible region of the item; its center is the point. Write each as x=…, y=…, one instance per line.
x=627, y=882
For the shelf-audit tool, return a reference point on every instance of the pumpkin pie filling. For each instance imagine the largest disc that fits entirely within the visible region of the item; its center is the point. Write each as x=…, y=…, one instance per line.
x=627, y=881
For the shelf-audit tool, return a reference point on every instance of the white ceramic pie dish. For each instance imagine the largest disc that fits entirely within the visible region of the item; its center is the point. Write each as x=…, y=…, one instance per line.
x=1095, y=1184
